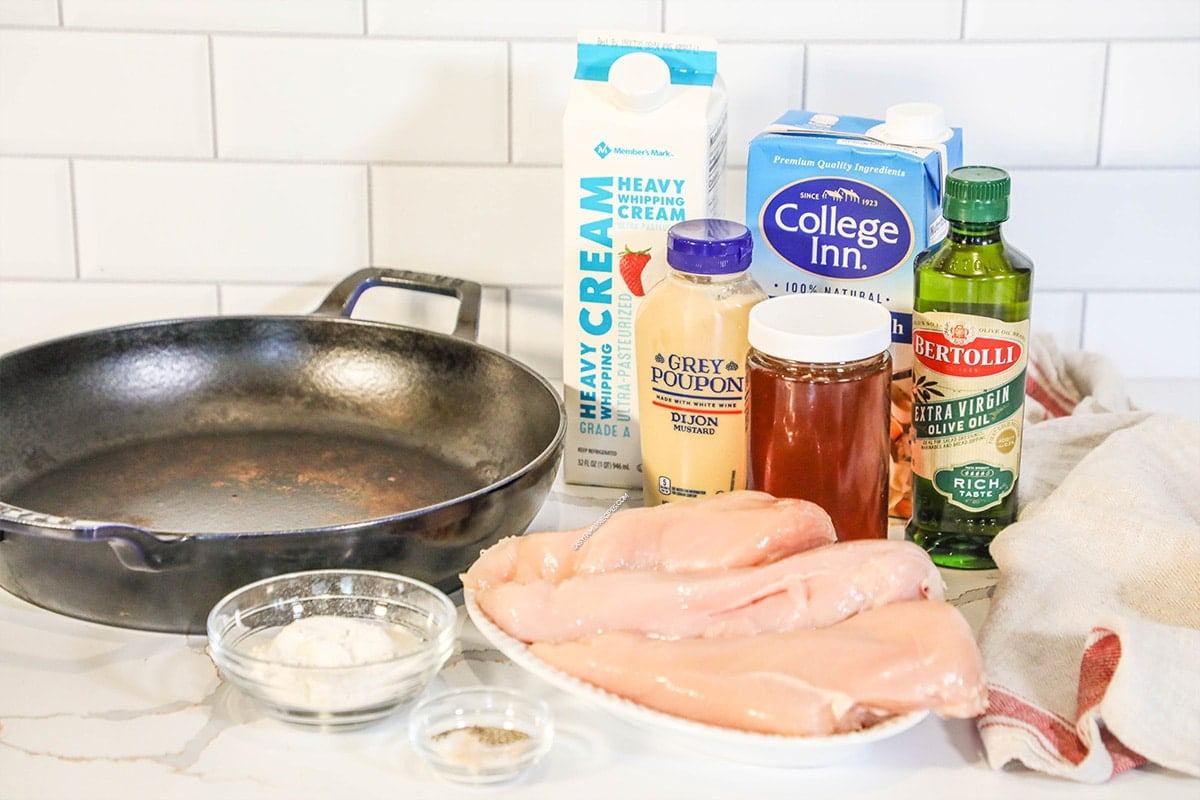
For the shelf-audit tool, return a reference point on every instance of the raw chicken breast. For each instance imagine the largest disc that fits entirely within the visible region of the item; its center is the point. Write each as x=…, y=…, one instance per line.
x=810, y=589
x=734, y=529
x=894, y=659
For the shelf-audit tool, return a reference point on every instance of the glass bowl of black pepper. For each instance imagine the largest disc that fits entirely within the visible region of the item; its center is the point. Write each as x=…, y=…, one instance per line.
x=483, y=734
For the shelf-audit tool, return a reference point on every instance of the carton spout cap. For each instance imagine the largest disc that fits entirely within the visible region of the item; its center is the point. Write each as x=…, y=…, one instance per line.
x=640, y=81
x=913, y=124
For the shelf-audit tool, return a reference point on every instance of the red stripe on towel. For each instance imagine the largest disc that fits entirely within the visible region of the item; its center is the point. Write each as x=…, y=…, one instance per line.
x=1056, y=734
x=1096, y=670
x=1046, y=392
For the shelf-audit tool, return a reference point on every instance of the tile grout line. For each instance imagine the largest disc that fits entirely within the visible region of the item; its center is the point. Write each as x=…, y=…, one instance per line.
x=508, y=110
x=370, y=216
x=507, y=292
x=508, y=319
x=212, y=95
x=806, y=48
x=1083, y=305
x=1103, y=104
x=72, y=197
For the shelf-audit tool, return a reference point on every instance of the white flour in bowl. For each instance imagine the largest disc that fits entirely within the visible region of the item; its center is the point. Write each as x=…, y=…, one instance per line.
x=311, y=660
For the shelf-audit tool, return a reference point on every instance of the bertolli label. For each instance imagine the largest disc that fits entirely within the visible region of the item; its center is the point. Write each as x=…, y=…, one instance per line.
x=968, y=405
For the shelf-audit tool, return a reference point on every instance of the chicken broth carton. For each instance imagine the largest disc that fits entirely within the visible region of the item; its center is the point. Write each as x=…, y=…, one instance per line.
x=643, y=149
x=842, y=205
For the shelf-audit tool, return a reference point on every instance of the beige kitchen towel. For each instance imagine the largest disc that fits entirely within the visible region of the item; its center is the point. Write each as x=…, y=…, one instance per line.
x=1092, y=642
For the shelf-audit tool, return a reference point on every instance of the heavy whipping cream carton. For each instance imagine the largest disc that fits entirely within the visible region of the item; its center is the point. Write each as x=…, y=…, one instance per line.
x=643, y=148
x=842, y=205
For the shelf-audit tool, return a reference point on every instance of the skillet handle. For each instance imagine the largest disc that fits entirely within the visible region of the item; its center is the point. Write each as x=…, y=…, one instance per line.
x=136, y=549
x=342, y=299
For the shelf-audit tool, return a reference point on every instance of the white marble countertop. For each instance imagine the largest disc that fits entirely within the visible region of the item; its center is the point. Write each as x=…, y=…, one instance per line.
x=90, y=711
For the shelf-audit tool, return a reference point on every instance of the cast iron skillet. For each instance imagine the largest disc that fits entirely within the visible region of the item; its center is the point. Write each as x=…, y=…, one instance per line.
x=147, y=470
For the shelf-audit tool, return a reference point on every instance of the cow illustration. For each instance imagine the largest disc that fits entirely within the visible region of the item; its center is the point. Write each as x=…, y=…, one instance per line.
x=836, y=194
x=850, y=194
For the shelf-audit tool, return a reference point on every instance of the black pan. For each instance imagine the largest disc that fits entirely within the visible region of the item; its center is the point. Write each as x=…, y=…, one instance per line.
x=147, y=470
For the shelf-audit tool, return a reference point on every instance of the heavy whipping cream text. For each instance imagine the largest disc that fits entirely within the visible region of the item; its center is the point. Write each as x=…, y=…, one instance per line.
x=605, y=404
x=595, y=256
x=650, y=199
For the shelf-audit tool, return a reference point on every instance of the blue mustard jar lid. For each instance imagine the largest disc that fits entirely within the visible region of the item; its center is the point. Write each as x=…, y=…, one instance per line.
x=709, y=246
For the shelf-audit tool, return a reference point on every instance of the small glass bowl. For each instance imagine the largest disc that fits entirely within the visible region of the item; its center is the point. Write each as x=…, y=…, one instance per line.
x=481, y=735
x=412, y=629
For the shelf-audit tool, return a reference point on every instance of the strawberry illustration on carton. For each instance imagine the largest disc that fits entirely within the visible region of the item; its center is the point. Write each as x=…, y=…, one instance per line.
x=632, y=265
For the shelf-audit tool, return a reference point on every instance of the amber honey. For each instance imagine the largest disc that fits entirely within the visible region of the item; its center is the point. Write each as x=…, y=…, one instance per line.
x=818, y=407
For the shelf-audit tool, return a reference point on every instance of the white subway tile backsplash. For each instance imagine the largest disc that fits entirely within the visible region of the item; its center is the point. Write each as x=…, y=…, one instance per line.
x=29, y=12
x=1018, y=104
x=359, y=99
x=1107, y=229
x=811, y=20
x=495, y=225
x=171, y=157
x=1059, y=314
x=1146, y=334
x=36, y=311
x=293, y=16
x=103, y=94
x=380, y=304
x=512, y=19
x=1150, y=116
x=1166, y=396
x=763, y=81
x=219, y=221
x=494, y=319
x=541, y=79
x=735, y=194
x=1081, y=19
x=272, y=298
x=535, y=330
x=36, y=237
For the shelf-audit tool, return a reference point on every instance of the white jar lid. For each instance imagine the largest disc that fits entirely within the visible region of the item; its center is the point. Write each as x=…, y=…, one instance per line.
x=640, y=81
x=820, y=328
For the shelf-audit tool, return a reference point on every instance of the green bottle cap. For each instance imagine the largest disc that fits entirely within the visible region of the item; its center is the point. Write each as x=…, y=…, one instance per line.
x=976, y=194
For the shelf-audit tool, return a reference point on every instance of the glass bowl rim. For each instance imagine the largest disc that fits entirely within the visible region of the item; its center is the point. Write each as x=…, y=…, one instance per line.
x=435, y=650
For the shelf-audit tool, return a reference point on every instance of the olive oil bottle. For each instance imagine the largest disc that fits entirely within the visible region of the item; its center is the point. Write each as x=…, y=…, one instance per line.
x=970, y=339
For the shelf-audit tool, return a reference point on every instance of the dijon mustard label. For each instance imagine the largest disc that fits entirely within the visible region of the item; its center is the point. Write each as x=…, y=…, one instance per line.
x=968, y=405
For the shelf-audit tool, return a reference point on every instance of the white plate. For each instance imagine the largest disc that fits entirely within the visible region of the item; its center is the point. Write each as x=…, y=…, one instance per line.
x=751, y=748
